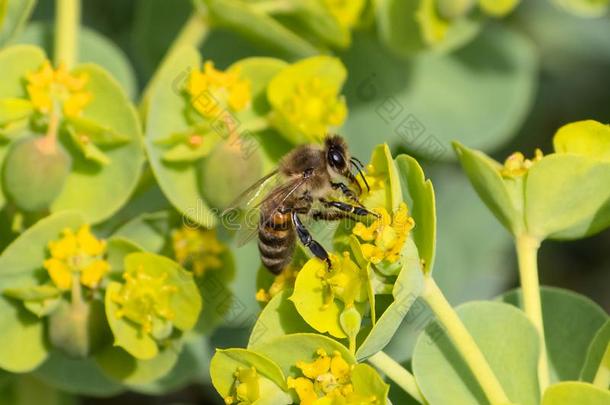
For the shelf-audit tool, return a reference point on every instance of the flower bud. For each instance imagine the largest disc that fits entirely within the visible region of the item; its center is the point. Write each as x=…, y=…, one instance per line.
x=78, y=329
x=229, y=169
x=35, y=170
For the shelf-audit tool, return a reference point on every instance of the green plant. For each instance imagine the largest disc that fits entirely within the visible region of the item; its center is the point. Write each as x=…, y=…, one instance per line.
x=120, y=271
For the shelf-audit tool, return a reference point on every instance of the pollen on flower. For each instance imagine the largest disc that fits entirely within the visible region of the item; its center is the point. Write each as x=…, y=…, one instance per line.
x=327, y=376
x=386, y=236
x=145, y=299
x=345, y=281
x=212, y=90
x=197, y=249
x=517, y=165
x=77, y=254
x=47, y=87
x=314, y=107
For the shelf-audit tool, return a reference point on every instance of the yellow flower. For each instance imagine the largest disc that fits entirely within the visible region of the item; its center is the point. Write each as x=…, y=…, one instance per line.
x=387, y=234
x=282, y=281
x=345, y=281
x=517, y=165
x=47, y=87
x=77, y=254
x=145, y=299
x=326, y=378
x=197, y=248
x=346, y=12
x=213, y=90
x=314, y=107
x=246, y=387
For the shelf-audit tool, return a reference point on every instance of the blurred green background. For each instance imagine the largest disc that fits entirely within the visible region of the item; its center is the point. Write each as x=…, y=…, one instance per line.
x=509, y=89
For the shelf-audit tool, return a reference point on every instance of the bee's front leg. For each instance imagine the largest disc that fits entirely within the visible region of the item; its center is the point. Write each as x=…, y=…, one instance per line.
x=306, y=239
x=352, y=209
x=348, y=192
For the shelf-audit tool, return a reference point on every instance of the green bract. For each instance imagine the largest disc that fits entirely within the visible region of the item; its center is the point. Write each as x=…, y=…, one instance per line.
x=559, y=196
x=13, y=15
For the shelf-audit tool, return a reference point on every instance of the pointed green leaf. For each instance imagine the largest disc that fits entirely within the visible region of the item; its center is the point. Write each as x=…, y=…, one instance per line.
x=15, y=14
x=14, y=109
x=573, y=392
x=97, y=133
x=597, y=354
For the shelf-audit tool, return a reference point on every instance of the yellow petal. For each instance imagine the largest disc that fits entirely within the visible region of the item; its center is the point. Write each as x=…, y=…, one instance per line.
x=64, y=247
x=312, y=370
x=340, y=368
x=304, y=390
x=93, y=273
x=88, y=243
x=59, y=272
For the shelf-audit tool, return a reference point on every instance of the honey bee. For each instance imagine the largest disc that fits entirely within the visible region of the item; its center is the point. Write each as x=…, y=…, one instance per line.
x=305, y=181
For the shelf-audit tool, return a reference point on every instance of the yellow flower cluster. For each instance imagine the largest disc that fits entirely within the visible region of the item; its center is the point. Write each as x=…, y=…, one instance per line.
x=47, y=88
x=198, y=249
x=386, y=234
x=313, y=107
x=327, y=378
x=247, y=389
x=213, y=90
x=282, y=281
x=145, y=299
x=77, y=254
x=517, y=165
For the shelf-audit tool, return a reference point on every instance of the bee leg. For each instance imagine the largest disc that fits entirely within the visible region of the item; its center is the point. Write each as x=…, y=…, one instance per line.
x=349, y=193
x=329, y=215
x=352, y=209
x=306, y=239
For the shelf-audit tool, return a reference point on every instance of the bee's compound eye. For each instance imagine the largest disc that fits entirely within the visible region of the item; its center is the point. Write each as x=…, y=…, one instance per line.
x=336, y=159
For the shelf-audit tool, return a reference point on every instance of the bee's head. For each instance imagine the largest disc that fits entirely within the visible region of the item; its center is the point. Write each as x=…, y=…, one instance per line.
x=339, y=160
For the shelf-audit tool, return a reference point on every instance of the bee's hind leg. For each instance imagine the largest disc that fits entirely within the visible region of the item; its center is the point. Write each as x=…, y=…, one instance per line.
x=306, y=239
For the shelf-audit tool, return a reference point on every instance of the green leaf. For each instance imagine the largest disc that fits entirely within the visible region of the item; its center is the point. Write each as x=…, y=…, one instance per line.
x=586, y=138
x=32, y=293
x=597, y=353
x=225, y=363
x=287, y=350
x=165, y=116
x=405, y=291
x=22, y=342
x=567, y=197
x=566, y=342
x=21, y=262
x=122, y=367
x=88, y=150
x=13, y=17
x=185, y=153
x=97, y=133
x=418, y=193
x=584, y=8
x=484, y=174
x=408, y=27
x=243, y=18
x=400, y=98
x=279, y=317
x=575, y=393
x=148, y=230
x=76, y=376
x=14, y=109
x=508, y=341
x=100, y=191
x=367, y=383
x=118, y=248
x=92, y=48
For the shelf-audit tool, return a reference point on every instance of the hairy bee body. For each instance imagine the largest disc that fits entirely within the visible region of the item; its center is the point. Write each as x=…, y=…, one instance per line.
x=276, y=240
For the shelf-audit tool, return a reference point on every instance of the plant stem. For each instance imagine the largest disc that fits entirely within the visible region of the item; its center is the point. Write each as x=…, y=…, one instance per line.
x=193, y=33
x=67, y=20
x=464, y=343
x=76, y=293
x=527, y=250
x=397, y=373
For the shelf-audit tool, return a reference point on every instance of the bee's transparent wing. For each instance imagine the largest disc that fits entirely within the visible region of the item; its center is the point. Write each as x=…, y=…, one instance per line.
x=275, y=199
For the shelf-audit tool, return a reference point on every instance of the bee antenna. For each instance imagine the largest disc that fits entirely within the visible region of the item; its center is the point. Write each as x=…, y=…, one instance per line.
x=355, y=159
x=360, y=172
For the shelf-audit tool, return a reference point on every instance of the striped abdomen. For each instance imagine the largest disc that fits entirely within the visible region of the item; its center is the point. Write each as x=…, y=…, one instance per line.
x=276, y=241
